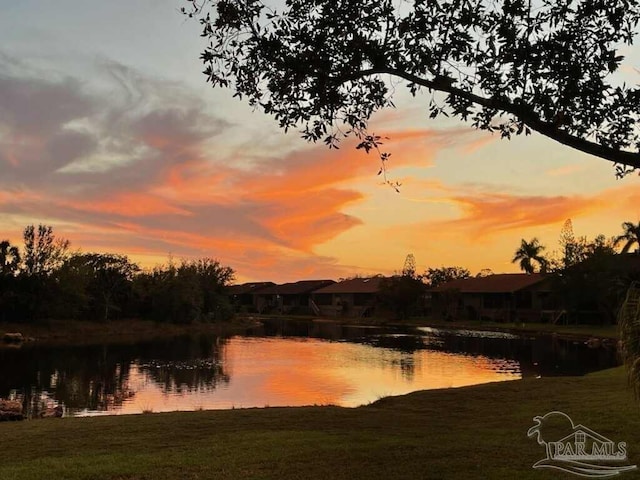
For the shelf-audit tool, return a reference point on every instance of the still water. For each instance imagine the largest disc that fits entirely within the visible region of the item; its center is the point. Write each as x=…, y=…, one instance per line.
x=282, y=363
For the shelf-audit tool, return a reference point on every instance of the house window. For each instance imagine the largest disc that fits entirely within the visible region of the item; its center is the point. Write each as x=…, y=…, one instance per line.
x=580, y=437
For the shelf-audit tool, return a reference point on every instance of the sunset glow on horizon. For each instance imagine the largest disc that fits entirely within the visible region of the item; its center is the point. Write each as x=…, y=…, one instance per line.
x=109, y=133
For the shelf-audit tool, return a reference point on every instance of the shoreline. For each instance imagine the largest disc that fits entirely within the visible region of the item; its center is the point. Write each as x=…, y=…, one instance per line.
x=578, y=332
x=572, y=332
x=76, y=332
x=134, y=330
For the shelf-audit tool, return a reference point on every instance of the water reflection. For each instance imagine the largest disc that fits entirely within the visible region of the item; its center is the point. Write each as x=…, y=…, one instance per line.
x=279, y=363
x=100, y=378
x=542, y=355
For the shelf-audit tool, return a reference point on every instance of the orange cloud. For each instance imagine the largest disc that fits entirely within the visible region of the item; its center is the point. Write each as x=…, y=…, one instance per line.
x=488, y=214
x=483, y=212
x=305, y=219
x=297, y=202
x=156, y=177
x=130, y=204
x=479, y=229
x=12, y=197
x=196, y=182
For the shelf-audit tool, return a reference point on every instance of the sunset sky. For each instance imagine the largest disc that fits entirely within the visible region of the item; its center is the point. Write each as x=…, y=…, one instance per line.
x=109, y=133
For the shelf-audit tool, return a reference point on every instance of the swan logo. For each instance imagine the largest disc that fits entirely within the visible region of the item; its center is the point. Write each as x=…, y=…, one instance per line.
x=577, y=449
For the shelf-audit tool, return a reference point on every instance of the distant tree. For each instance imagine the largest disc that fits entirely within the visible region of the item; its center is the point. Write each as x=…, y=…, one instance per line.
x=575, y=250
x=9, y=263
x=212, y=278
x=73, y=299
x=629, y=237
x=485, y=272
x=402, y=295
x=529, y=255
x=191, y=291
x=103, y=280
x=448, y=299
x=35, y=294
x=601, y=245
x=169, y=297
x=409, y=268
x=592, y=288
x=9, y=258
x=511, y=67
x=437, y=276
x=43, y=252
x=572, y=250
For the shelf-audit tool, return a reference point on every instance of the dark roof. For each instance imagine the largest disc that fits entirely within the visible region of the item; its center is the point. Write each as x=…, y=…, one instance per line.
x=499, y=283
x=355, y=285
x=295, y=288
x=245, y=288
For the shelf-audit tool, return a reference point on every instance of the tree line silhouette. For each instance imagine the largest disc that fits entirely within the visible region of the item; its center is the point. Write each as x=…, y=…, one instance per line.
x=590, y=277
x=46, y=280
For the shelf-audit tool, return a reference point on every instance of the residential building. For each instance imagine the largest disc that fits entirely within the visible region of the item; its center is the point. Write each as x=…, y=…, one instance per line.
x=508, y=297
x=356, y=297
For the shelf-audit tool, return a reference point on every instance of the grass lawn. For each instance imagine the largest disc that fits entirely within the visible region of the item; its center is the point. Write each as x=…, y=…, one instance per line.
x=472, y=432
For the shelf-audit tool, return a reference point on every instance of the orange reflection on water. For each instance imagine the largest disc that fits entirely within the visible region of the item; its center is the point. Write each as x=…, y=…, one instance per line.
x=261, y=372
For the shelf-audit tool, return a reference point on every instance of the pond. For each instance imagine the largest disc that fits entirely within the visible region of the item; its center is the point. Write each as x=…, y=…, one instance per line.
x=281, y=363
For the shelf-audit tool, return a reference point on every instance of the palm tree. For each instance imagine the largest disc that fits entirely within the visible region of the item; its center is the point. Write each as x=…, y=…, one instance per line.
x=630, y=237
x=9, y=258
x=530, y=253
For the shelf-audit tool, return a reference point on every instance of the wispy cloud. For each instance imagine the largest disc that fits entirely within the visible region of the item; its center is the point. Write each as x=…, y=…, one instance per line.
x=140, y=166
x=484, y=214
x=481, y=211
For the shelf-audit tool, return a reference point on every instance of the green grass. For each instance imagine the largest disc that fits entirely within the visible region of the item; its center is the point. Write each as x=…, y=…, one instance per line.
x=471, y=432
